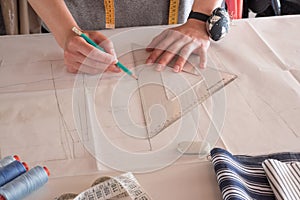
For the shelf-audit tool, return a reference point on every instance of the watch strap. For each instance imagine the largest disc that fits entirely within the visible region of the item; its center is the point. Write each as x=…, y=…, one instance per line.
x=198, y=16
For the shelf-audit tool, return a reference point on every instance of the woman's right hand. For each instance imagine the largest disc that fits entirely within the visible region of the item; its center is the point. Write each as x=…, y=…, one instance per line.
x=80, y=56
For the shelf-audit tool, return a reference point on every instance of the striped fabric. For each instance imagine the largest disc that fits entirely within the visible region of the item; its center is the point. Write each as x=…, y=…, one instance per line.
x=242, y=177
x=284, y=179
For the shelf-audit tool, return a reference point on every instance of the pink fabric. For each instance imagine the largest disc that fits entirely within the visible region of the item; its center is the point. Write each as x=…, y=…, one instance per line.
x=235, y=8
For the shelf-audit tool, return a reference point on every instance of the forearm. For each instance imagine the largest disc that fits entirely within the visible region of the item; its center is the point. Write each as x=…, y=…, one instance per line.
x=206, y=6
x=56, y=16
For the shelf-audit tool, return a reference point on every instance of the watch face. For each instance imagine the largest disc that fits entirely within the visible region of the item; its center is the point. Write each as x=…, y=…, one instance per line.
x=218, y=24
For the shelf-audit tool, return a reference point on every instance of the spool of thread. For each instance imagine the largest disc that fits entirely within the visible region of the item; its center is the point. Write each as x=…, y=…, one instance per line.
x=8, y=159
x=25, y=184
x=11, y=171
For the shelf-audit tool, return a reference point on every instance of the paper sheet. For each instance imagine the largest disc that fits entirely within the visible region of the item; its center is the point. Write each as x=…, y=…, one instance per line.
x=120, y=121
x=37, y=113
x=261, y=112
x=263, y=103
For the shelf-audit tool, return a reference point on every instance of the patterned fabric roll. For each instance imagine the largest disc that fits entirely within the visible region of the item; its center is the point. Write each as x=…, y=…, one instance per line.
x=284, y=178
x=242, y=177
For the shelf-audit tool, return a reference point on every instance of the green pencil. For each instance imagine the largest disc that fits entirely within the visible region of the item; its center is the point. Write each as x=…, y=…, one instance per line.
x=91, y=42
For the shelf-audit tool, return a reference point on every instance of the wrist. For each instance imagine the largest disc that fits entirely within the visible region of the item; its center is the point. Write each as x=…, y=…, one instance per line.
x=216, y=25
x=206, y=7
x=197, y=24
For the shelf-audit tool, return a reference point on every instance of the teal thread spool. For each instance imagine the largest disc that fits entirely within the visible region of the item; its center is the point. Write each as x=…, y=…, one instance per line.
x=11, y=171
x=24, y=184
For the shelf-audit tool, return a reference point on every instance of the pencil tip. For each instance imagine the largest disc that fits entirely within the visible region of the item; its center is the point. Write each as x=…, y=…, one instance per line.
x=134, y=76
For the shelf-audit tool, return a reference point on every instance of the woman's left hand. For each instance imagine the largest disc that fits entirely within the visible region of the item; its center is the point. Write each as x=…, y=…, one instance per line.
x=180, y=42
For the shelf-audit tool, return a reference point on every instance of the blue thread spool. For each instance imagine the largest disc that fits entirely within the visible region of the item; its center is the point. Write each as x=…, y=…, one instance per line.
x=25, y=184
x=8, y=159
x=11, y=171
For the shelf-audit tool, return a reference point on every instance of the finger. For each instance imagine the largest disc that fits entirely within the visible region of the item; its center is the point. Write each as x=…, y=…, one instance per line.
x=103, y=41
x=163, y=45
x=160, y=67
x=71, y=69
x=67, y=58
x=83, y=68
x=101, y=56
x=154, y=56
x=184, y=54
x=113, y=68
x=172, y=51
x=71, y=57
x=203, y=57
x=73, y=66
x=80, y=45
x=156, y=40
x=109, y=48
x=166, y=57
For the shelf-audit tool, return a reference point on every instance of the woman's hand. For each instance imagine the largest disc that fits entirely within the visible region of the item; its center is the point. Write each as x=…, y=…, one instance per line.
x=180, y=42
x=79, y=56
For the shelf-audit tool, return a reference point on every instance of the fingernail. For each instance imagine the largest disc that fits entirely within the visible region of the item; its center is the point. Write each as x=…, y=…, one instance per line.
x=114, y=61
x=149, y=61
x=176, y=68
x=202, y=66
x=114, y=54
x=158, y=67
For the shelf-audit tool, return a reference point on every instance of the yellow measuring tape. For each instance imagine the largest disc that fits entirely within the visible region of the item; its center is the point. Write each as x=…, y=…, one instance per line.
x=109, y=6
x=110, y=12
x=173, y=11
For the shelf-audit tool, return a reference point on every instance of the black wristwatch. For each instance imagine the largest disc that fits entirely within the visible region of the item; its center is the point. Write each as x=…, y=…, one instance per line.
x=198, y=16
x=217, y=25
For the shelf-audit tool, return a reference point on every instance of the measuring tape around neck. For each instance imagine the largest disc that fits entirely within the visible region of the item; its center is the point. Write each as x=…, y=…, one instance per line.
x=173, y=11
x=110, y=13
x=109, y=6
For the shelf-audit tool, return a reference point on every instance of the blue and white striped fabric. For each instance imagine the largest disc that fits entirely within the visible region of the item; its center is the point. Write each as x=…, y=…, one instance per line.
x=284, y=178
x=242, y=177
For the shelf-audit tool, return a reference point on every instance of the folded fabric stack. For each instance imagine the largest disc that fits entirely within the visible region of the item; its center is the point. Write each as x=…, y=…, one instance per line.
x=264, y=177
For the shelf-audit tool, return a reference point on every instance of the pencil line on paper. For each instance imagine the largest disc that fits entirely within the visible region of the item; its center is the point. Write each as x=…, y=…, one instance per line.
x=279, y=115
x=85, y=105
x=24, y=83
x=79, y=113
x=64, y=123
